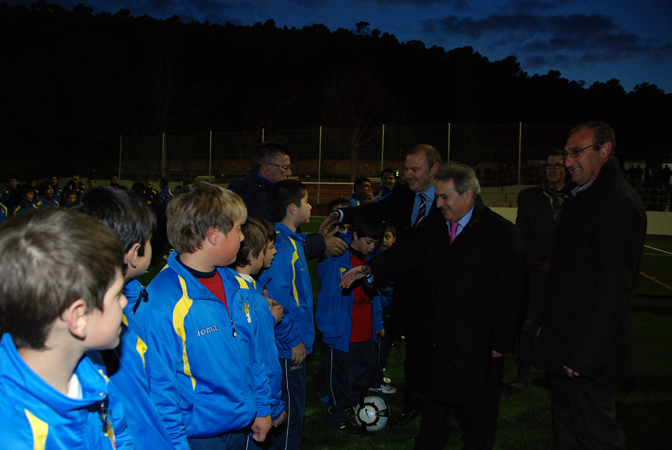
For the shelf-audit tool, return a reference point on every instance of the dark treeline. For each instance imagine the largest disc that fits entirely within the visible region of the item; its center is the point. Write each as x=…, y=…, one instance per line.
x=72, y=81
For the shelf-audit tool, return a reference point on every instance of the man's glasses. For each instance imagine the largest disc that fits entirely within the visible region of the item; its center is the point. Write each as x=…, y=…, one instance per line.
x=574, y=153
x=557, y=166
x=282, y=166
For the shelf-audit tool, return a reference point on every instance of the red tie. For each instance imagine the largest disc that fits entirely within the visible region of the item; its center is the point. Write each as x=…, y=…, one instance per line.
x=453, y=231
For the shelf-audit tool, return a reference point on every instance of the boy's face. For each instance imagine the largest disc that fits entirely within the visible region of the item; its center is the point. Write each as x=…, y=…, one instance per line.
x=229, y=244
x=48, y=193
x=28, y=197
x=269, y=254
x=388, y=240
x=303, y=213
x=70, y=198
x=103, y=327
x=256, y=263
x=365, y=245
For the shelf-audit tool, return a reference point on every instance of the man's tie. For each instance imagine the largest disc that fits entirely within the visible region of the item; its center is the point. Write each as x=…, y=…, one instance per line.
x=453, y=231
x=421, y=212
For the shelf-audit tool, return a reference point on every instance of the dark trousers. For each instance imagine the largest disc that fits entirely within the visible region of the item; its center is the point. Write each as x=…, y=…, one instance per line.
x=584, y=415
x=384, y=346
x=288, y=435
x=348, y=376
x=414, y=371
x=478, y=422
x=231, y=440
x=526, y=347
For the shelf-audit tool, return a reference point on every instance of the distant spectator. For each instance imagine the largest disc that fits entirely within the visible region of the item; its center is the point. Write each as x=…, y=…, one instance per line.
x=46, y=196
x=75, y=185
x=387, y=180
x=91, y=182
x=114, y=181
x=69, y=199
x=58, y=192
x=26, y=196
x=362, y=192
x=10, y=196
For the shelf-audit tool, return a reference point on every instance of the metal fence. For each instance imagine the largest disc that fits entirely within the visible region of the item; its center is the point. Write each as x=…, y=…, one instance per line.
x=503, y=154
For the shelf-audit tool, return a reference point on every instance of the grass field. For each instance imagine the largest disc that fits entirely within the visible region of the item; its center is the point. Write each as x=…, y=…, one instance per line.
x=644, y=405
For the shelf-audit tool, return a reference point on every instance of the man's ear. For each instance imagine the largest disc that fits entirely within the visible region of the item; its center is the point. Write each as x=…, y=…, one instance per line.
x=77, y=318
x=605, y=151
x=131, y=256
x=434, y=169
x=469, y=194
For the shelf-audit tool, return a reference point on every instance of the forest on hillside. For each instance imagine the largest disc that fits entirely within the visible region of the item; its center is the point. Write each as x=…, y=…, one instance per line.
x=72, y=82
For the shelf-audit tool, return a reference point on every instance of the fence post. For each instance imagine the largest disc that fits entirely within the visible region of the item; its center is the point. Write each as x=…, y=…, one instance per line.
x=121, y=137
x=382, y=149
x=448, y=155
x=163, y=154
x=319, y=166
x=520, y=146
x=210, y=160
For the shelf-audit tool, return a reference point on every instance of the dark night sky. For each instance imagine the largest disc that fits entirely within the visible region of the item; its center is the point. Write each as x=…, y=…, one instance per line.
x=585, y=40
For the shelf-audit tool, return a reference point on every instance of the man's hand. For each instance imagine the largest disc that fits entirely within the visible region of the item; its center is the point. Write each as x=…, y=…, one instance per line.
x=260, y=427
x=496, y=354
x=328, y=221
x=278, y=311
x=381, y=333
x=279, y=421
x=353, y=275
x=571, y=373
x=299, y=353
x=335, y=246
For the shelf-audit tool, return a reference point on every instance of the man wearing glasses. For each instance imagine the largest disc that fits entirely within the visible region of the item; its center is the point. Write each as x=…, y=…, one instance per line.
x=538, y=210
x=270, y=164
x=585, y=337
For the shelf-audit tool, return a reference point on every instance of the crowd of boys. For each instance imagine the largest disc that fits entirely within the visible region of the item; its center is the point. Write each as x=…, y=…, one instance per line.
x=212, y=354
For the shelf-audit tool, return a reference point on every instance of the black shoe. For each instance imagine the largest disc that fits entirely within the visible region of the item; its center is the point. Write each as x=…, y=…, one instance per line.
x=521, y=383
x=349, y=428
x=406, y=417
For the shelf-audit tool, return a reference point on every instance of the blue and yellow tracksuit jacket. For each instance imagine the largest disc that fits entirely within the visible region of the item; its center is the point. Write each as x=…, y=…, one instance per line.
x=290, y=287
x=128, y=371
x=35, y=416
x=215, y=379
x=334, y=309
x=249, y=293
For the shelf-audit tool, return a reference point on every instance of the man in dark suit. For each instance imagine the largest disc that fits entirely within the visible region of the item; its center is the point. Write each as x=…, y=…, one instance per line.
x=471, y=261
x=539, y=208
x=585, y=340
x=406, y=208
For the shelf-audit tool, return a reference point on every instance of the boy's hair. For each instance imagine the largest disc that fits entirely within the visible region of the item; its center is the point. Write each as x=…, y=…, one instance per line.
x=367, y=225
x=256, y=237
x=391, y=228
x=41, y=189
x=197, y=208
x=49, y=258
x=126, y=213
x=163, y=182
x=344, y=202
x=24, y=189
x=285, y=193
x=271, y=234
x=388, y=170
x=358, y=182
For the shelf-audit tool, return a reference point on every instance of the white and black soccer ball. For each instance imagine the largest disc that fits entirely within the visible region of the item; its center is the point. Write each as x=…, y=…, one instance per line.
x=373, y=414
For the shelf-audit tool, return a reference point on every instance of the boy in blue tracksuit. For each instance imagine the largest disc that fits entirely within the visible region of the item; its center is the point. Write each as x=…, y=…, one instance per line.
x=350, y=321
x=252, y=257
x=290, y=287
x=61, y=296
x=216, y=388
x=127, y=365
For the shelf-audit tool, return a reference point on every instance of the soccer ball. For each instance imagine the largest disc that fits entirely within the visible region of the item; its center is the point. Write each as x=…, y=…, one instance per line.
x=373, y=414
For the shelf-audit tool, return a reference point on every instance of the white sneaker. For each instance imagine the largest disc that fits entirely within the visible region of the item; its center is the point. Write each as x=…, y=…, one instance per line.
x=384, y=389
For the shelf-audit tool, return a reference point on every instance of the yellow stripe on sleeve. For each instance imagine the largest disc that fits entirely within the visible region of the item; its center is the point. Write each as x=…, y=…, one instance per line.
x=179, y=313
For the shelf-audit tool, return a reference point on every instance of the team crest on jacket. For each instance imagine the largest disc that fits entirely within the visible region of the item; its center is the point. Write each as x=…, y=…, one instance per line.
x=244, y=305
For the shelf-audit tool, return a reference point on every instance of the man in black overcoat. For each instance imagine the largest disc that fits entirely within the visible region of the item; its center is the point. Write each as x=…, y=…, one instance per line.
x=472, y=311
x=585, y=341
